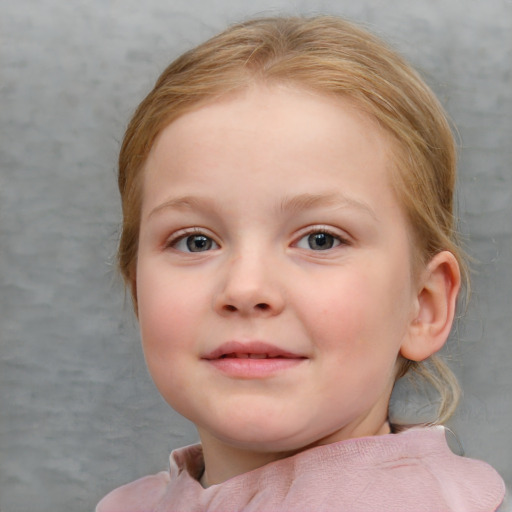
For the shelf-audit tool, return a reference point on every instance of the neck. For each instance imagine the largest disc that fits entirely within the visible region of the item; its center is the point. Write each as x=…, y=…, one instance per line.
x=224, y=461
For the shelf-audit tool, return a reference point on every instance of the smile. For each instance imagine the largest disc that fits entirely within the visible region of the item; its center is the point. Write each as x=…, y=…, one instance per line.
x=254, y=360
x=251, y=356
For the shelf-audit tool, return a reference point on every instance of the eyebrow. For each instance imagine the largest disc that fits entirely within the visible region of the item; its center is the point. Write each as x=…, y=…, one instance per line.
x=294, y=204
x=182, y=203
x=304, y=202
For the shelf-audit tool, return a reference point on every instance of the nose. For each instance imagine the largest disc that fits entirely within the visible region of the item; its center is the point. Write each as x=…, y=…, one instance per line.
x=249, y=286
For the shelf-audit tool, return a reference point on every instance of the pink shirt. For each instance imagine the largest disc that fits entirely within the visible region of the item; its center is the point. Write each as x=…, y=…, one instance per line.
x=411, y=471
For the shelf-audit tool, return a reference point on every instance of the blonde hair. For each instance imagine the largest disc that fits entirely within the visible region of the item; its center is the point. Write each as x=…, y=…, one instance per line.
x=331, y=56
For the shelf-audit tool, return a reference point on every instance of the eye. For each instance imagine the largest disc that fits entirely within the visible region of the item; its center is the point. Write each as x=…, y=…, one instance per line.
x=319, y=241
x=194, y=243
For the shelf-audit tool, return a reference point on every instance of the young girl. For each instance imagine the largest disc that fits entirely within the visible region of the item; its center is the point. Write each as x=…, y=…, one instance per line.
x=289, y=241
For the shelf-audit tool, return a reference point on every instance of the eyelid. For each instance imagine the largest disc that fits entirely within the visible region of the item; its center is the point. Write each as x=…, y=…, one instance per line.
x=180, y=234
x=342, y=236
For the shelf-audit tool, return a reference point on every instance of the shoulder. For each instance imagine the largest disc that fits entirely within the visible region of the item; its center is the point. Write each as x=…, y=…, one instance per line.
x=459, y=483
x=142, y=494
x=413, y=470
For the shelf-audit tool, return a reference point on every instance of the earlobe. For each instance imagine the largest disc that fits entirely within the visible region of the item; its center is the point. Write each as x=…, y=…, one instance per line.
x=435, y=308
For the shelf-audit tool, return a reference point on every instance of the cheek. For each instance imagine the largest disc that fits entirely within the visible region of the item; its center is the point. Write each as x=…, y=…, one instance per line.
x=361, y=315
x=168, y=335
x=166, y=313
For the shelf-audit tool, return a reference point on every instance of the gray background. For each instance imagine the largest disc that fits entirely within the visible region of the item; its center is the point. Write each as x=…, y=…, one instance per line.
x=78, y=412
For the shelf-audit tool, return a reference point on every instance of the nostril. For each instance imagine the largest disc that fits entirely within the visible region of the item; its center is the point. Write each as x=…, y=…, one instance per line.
x=261, y=306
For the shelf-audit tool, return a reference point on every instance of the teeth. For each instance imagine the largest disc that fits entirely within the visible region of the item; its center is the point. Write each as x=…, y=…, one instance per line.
x=247, y=356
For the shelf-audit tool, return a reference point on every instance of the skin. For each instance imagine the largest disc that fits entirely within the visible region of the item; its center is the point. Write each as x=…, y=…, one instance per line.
x=255, y=184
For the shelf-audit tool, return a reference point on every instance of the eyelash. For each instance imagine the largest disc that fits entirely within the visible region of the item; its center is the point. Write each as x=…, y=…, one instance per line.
x=185, y=234
x=324, y=231
x=182, y=235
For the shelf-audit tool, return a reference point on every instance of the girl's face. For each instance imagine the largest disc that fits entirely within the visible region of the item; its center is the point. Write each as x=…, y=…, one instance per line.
x=274, y=277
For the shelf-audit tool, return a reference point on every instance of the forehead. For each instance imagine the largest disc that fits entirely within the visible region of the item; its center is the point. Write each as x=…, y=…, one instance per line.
x=277, y=118
x=267, y=146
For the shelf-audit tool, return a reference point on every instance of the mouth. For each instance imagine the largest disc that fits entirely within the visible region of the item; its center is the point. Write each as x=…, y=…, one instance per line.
x=251, y=350
x=254, y=360
x=250, y=356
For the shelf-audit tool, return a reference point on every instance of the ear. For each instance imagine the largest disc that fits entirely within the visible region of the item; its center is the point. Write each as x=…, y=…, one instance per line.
x=434, y=310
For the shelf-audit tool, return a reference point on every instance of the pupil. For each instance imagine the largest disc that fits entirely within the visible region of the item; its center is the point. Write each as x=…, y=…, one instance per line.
x=320, y=241
x=198, y=243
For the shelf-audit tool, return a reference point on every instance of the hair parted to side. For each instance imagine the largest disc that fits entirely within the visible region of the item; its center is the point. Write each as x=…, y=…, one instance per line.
x=334, y=57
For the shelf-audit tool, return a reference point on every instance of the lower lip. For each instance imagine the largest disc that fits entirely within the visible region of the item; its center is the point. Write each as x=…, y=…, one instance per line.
x=248, y=368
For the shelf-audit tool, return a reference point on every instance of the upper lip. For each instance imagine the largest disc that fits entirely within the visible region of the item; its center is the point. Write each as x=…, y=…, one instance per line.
x=252, y=348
